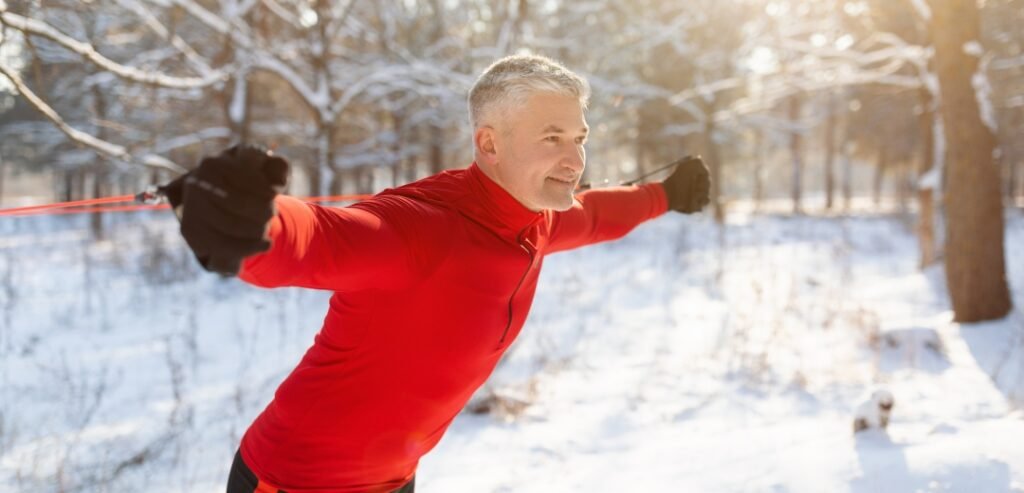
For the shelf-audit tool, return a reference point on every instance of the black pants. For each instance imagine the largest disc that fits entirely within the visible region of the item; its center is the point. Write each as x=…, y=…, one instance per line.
x=242, y=480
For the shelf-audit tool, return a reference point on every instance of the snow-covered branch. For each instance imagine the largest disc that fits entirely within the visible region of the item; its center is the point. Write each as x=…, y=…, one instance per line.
x=706, y=90
x=239, y=33
x=316, y=98
x=922, y=9
x=167, y=145
x=106, y=148
x=282, y=13
x=194, y=59
x=86, y=50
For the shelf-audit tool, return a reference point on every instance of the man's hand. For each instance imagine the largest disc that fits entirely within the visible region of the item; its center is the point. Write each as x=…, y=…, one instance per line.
x=226, y=204
x=688, y=186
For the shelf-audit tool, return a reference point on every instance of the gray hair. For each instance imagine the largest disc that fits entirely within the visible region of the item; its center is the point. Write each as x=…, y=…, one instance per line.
x=512, y=79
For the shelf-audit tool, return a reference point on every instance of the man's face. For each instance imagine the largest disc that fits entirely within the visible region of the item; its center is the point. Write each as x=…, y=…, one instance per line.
x=538, y=151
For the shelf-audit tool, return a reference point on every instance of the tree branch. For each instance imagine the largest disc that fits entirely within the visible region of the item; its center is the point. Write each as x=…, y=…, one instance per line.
x=109, y=149
x=86, y=50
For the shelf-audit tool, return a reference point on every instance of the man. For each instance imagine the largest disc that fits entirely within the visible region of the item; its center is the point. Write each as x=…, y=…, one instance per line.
x=432, y=281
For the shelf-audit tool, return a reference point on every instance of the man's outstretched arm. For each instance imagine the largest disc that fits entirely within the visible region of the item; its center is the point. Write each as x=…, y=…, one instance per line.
x=605, y=214
x=610, y=213
x=329, y=248
x=237, y=223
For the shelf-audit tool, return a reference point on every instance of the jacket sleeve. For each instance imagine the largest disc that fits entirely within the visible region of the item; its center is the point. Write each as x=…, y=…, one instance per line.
x=605, y=214
x=339, y=249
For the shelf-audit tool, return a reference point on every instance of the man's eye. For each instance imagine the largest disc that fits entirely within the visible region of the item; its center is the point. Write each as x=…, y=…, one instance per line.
x=553, y=138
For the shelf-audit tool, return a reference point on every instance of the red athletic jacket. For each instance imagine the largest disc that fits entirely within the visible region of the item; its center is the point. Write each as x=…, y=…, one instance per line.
x=432, y=281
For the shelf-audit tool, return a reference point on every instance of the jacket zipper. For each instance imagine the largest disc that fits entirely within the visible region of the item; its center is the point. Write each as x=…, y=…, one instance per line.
x=519, y=241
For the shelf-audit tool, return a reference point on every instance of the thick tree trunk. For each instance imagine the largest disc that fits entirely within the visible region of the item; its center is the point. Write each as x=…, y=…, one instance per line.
x=975, y=264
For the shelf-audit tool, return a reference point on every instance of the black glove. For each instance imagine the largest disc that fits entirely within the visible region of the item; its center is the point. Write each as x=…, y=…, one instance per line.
x=226, y=204
x=688, y=186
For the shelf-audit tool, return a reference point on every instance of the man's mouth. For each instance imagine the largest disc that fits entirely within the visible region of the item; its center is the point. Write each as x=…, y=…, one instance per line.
x=569, y=181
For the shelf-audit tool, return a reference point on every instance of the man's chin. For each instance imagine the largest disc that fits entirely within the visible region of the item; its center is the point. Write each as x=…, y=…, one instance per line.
x=559, y=204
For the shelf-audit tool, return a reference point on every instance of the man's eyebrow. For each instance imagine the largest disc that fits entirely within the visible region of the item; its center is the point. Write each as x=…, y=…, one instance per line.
x=558, y=130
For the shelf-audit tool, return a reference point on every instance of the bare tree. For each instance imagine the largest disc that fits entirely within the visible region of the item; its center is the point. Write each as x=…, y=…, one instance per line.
x=975, y=265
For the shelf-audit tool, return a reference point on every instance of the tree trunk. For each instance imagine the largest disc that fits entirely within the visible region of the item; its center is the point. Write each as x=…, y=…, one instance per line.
x=397, y=162
x=436, y=149
x=325, y=167
x=99, y=167
x=975, y=264
x=639, y=144
x=337, y=184
x=926, y=191
x=68, y=179
x=366, y=179
x=80, y=182
x=1014, y=182
x=847, y=163
x=794, y=149
x=715, y=165
x=98, y=190
x=3, y=175
x=830, y=151
x=880, y=169
x=316, y=177
x=1019, y=194
x=412, y=158
x=902, y=179
x=759, y=156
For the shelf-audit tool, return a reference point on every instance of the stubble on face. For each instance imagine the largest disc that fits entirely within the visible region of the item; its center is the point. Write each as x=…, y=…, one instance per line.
x=540, y=151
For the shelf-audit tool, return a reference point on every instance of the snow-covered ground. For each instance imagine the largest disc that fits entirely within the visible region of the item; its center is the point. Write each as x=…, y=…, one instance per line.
x=685, y=357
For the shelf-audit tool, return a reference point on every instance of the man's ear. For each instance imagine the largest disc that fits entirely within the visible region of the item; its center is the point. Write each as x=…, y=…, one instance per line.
x=484, y=139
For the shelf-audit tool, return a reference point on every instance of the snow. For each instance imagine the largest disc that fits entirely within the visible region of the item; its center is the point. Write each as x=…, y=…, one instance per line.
x=973, y=48
x=685, y=357
x=924, y=11
x=983, y=94
x=931, y=180
x=236, y=111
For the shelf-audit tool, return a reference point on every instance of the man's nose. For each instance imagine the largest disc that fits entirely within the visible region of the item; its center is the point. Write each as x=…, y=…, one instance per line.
x=575, y=160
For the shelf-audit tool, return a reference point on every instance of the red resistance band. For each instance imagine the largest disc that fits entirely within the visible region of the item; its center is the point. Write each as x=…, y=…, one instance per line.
x=98, y=205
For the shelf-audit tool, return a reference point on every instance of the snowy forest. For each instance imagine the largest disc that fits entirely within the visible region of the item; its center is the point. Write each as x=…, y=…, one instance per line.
x=866, y=230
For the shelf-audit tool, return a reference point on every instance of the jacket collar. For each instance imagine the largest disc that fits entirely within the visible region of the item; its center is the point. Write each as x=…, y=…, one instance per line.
x=477, y=197
x=490, y=204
